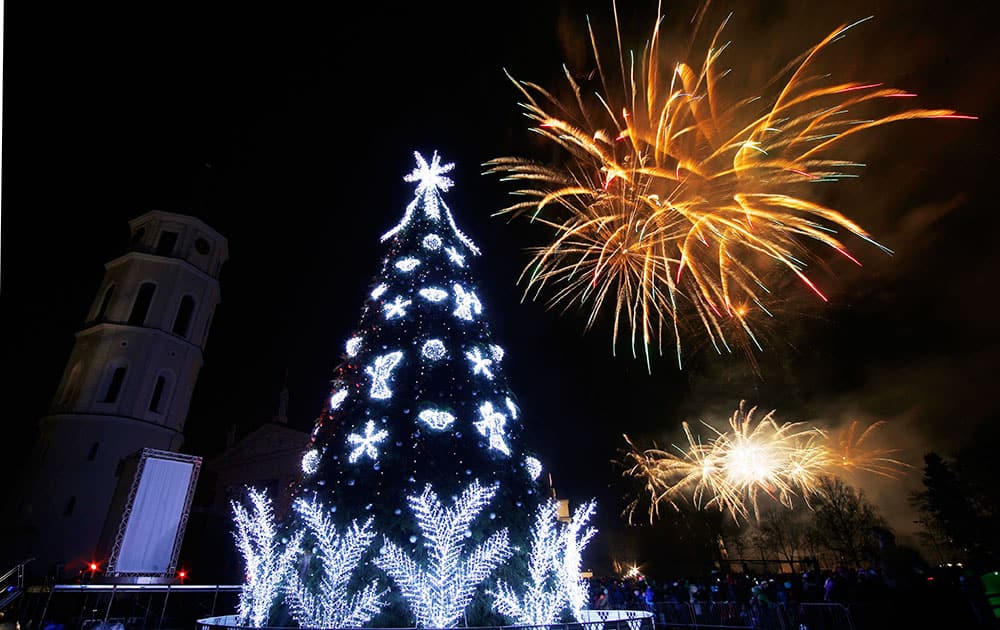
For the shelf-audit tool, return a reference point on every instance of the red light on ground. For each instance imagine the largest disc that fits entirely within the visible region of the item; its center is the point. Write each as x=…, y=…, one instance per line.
x=930, y=578
x=182, y=574
x=93, y=566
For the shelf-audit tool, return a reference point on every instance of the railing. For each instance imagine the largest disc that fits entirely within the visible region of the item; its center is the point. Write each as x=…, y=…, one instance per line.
x=735, y=616
x=593, y=620
x=12, y=583
x=125, y=606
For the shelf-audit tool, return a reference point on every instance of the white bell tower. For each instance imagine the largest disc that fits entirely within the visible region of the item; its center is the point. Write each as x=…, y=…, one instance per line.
x=127, y=384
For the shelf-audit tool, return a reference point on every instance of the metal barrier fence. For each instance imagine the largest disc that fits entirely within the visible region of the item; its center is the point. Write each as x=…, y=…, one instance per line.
x=734, y=615
x=121, y=606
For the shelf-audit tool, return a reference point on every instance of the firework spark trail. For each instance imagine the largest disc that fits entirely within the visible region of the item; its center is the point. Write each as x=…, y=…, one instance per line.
x=735, y=469
x=675, y=208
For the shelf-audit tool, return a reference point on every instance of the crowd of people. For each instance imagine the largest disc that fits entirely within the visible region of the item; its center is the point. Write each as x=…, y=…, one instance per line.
x=859, y=590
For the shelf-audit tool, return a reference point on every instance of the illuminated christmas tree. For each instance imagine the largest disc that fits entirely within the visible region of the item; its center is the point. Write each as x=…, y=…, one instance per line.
x=422, y=434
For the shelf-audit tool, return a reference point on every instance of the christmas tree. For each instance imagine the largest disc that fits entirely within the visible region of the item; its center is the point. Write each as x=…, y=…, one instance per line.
x=422, y=437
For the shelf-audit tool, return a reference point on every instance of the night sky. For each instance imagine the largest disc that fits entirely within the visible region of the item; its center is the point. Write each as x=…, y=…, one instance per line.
x=289, y=131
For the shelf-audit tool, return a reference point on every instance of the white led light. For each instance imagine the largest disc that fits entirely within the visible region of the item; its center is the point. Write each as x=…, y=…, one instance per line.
x=353, y=345
x=496, y=352
x=365, y=444
x=511, y=407
x=466, y=303
x=379, y=290
x=381, y=372
x=455, y=257
x=436, y=419
x=541, y=600
x=433, y=349
x=310, y=462
x=433, y=294
x=327, y=602
x=337, y=398
x=492, y=426
x=396, y=308
x=480, y=364
x=407, y=264
x=432, y=242
x=439, y=588
x=266, y=560
x=533, y=466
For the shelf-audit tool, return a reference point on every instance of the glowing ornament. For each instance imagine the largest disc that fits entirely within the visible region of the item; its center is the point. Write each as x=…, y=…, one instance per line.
x=466, y=303
x=436, y=419
x=353, y=345
x=480, y=364
x=407, y=264
x=432, y=242
x=433, y=350
x=396, y=308
x=365, y=444
x=381, y=372
x=455, y=257
x=337, y=399
x=496, y=352
x=379, y=290
x=439, y=588
x=511, y=407
x=492, y=426
x=433, y=294
x=533, y=466
x=310, y=462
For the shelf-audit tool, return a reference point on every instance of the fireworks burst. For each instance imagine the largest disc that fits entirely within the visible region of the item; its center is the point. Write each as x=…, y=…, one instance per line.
x=679, y=209
x=755, y=458
x=853, y=452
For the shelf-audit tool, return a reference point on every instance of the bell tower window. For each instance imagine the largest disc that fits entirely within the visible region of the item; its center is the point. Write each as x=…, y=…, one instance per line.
x=105, y=302
x=115, y=385
x=140, y=308
x=154, y=402
x=184, y=312
x=165, y=246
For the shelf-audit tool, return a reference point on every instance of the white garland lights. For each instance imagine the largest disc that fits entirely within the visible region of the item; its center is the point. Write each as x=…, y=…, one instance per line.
x=455, y=257
x=511, y=407
x=433, y=294
x=440, y=593
x=496, y=352
x=436, y=419
x=379, y=290
x=492, y=426
x=310, y=461
x=338, y=398
x=431, y=182
x=333, y=606
x=352, y=346
x=575, y=539
x=533, y=466
x=480, y=364
x=381, y=372
x=266, y=564
x=542, y=600
x=407, y=264
x=432, y=242
x=365, y=444
x=396, y=308
x=466, y=303
x=433, y=349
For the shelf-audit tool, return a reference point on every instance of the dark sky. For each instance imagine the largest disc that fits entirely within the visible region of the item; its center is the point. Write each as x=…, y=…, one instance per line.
x=289, y=131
